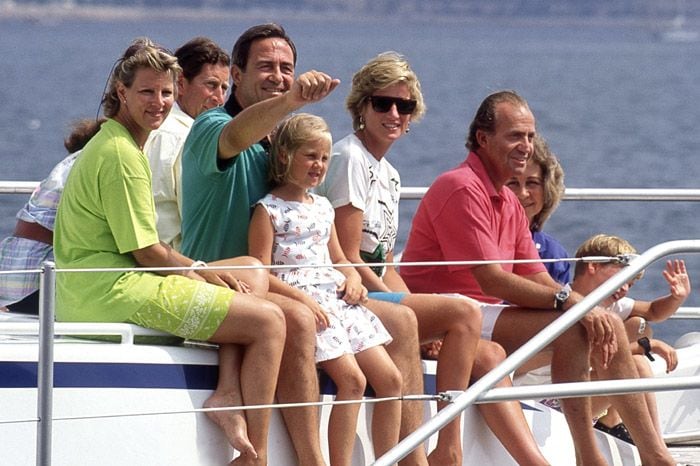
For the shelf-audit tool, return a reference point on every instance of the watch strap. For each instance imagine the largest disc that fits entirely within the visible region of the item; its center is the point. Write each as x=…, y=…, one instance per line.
x=646, y=346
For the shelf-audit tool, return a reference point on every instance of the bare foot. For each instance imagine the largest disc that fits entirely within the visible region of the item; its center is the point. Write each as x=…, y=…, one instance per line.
x=248, y=460
x=232, y=423
x=448, y=457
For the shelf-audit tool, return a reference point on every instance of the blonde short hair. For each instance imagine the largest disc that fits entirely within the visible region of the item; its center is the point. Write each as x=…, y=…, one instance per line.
x=382, y=71
x=606, y=246
x=292, y=133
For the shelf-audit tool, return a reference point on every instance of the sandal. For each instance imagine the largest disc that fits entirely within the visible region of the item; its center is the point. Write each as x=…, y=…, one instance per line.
x=618, y=431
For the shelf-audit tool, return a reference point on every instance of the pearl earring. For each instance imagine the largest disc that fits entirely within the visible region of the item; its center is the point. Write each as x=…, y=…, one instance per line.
x=361, y=126
x=408, y=130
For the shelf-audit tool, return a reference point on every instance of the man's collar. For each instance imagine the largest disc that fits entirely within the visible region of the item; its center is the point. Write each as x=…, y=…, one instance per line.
x=179, y=114
x=232, y=106
x=474, y=162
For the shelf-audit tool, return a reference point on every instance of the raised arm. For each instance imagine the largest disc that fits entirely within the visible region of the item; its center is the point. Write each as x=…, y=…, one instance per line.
x=664, y=307
x=258, y=120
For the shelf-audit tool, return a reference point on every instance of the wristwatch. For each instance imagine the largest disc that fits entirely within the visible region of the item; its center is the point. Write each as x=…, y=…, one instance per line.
x=561, y=296
x=646, y=346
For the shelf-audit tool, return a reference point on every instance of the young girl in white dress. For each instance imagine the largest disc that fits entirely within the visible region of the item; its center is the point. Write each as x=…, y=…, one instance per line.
x=291, y=226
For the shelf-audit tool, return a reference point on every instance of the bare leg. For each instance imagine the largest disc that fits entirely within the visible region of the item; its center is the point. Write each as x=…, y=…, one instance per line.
x=298, y=380
x=612, y=417
x=645, y=371
x=632, y=407
x=256, y=279
x=570, y=363
x=386, y=382
x=259, y=327
x=506, y=419
x=228, y=393
x=401, y=323
x=351, y=383
x=458, y=323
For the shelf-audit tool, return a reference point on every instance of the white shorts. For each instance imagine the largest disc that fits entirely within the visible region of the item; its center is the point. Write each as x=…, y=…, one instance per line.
x=489, y=314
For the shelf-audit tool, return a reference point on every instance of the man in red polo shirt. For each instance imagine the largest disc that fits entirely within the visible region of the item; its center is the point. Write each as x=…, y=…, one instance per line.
x=469, y=215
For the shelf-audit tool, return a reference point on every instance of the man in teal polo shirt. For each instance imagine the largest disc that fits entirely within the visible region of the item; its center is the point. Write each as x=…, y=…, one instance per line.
x=224, y=172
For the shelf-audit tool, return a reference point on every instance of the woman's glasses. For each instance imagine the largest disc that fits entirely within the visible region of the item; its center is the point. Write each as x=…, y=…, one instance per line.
x=382, y=104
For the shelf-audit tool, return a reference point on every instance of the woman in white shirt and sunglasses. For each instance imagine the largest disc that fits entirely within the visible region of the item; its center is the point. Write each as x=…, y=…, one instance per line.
x=364, y=189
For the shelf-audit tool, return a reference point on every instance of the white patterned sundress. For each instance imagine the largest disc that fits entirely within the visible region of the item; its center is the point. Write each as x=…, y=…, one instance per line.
x=302, y=232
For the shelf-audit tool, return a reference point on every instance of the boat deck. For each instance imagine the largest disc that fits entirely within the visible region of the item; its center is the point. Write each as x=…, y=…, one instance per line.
x=686, y=455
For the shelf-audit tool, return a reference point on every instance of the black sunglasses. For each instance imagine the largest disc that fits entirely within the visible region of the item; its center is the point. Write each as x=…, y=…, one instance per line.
x=382, y=104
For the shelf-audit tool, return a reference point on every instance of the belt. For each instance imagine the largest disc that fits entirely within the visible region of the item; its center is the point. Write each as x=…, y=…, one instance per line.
x=33, y=231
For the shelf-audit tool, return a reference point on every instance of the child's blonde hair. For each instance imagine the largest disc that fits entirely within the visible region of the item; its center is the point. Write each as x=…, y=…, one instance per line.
x=603, y=245
x=292, y=133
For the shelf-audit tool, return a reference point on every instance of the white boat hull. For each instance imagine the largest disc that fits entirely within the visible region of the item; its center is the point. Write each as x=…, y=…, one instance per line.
x=679, y=411
x=99, y=387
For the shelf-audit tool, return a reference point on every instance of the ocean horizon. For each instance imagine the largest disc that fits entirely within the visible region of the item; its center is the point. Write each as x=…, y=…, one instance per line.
x=617, y=105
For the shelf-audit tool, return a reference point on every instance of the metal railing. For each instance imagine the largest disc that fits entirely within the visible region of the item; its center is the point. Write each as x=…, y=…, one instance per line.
x=539, y=342
x=600, y=194
x=571, y=194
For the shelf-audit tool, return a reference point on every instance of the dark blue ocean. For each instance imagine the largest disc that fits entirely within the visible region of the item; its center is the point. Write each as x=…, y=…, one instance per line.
x=620, y=108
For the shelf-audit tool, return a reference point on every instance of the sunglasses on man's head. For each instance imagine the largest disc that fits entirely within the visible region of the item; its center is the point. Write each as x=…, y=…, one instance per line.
x=382, y=104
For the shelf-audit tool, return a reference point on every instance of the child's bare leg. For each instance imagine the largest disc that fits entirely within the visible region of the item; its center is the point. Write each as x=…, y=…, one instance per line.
x=342, y=424
x=386, y=381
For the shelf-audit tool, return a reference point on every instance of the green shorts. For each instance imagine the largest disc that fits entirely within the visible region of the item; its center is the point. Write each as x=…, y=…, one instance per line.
x=184, y=307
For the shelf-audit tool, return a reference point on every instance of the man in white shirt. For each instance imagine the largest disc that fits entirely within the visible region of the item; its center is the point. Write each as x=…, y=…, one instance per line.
x=201, y=86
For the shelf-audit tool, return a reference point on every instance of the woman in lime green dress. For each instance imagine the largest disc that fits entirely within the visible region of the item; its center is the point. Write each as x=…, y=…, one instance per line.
x=106, y=219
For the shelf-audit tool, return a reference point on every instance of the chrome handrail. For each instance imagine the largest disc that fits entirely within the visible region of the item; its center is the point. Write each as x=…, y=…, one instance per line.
x=536, y=344
x=600, y=194
x=18, y=187
x=571, y=194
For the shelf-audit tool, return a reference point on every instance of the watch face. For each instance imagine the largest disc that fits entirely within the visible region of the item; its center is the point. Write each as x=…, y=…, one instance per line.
x=560, y=298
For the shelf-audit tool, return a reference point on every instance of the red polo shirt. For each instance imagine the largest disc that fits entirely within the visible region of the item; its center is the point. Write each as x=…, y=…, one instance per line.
x=463, y=218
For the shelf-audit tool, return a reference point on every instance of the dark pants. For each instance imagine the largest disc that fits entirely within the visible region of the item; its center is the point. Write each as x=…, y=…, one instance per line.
x=29, y=305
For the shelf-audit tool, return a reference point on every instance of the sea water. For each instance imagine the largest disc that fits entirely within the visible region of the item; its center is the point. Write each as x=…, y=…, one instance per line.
x=619, y=108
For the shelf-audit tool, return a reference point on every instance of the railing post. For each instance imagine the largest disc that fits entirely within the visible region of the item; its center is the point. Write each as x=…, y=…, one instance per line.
x=45, y=364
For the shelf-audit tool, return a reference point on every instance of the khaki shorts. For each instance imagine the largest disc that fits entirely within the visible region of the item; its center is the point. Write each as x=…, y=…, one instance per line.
x=184, y=307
